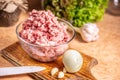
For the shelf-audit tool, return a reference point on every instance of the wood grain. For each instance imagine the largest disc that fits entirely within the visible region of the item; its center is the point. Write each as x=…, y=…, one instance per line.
x=17, y=56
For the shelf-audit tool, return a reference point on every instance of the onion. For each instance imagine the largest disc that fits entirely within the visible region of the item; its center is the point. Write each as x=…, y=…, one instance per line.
x=72, y=61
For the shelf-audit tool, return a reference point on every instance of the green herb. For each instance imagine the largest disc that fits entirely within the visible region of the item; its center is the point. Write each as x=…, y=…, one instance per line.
x=78, y=12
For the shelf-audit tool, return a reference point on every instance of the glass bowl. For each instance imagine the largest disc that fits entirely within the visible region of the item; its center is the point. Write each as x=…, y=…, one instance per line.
x=46, y=53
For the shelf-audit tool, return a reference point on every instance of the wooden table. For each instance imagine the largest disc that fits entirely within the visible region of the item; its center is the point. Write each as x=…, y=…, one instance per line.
x=106, y=50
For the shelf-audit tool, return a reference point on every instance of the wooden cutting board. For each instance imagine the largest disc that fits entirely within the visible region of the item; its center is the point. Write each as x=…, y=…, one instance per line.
x=17, y=56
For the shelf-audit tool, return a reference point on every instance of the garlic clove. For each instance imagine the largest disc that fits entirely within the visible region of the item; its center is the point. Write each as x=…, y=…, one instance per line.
x=54, y=71
x=61, y=74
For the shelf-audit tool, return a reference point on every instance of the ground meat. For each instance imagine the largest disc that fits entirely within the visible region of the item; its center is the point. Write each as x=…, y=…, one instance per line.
x=43, y=29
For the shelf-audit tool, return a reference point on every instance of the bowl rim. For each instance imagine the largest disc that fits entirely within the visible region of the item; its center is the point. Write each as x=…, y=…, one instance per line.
x=69, y=24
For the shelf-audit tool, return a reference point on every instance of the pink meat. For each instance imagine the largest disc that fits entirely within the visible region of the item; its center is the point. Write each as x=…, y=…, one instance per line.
x=42, y=28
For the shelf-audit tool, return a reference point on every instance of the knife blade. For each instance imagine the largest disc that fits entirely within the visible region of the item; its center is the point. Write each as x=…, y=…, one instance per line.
x=6, y=71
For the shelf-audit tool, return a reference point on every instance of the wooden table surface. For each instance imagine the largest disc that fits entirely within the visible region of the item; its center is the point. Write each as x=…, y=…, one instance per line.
x=106, y=50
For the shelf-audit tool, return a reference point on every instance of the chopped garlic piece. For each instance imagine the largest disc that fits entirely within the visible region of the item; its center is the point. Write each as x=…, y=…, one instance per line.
x=54, y=71
x=60, y=74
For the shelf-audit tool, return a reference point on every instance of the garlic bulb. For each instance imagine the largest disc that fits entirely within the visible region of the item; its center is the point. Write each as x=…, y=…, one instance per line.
x=89, y=32
x=72, y=61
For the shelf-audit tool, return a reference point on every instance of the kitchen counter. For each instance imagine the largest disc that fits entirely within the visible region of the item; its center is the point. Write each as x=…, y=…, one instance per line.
x=106, y=50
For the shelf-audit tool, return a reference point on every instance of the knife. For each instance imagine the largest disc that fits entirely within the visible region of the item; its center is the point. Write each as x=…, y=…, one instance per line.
x=6, y=71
